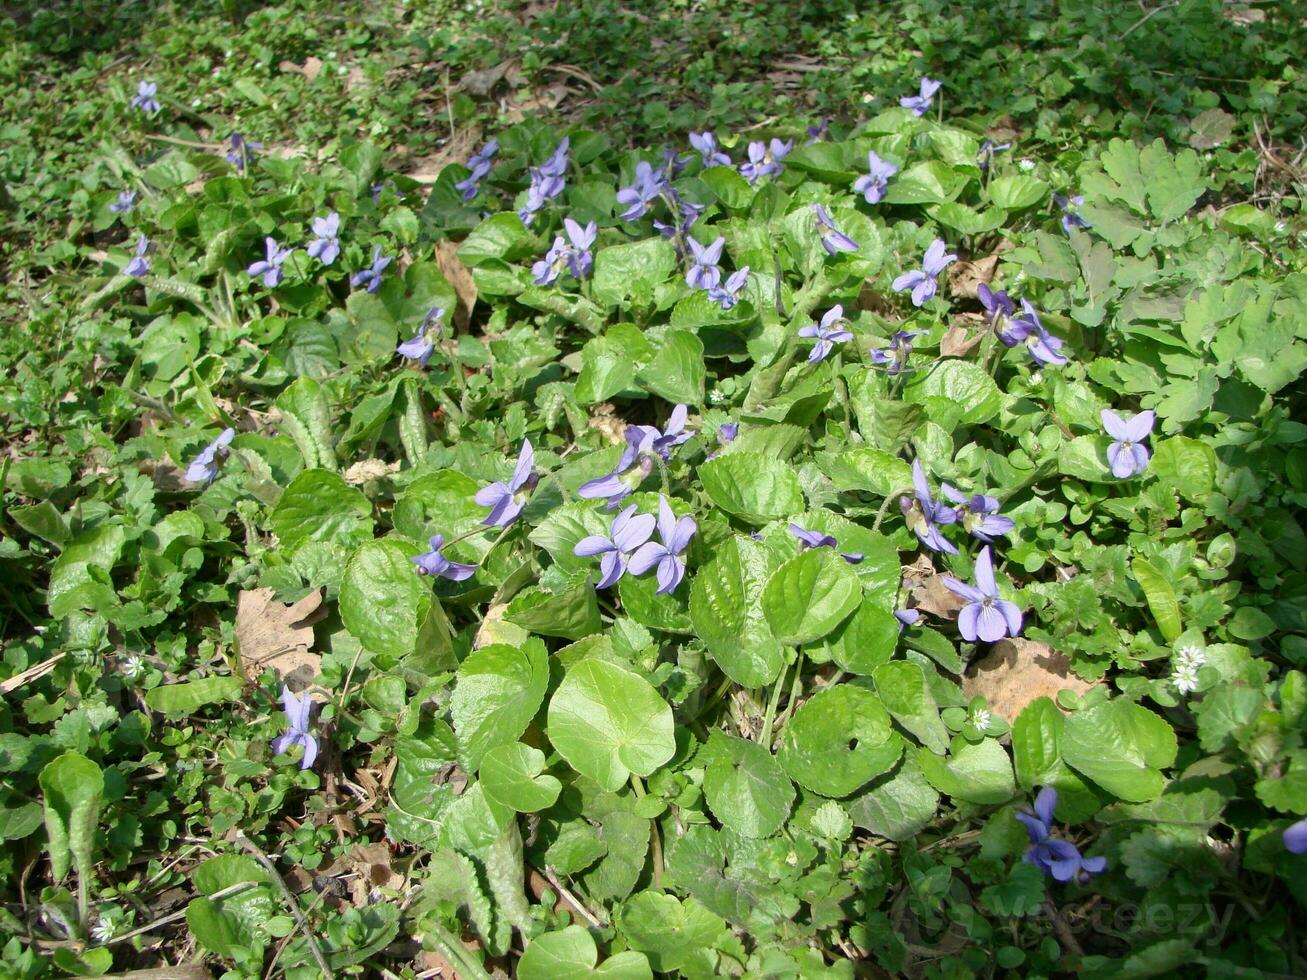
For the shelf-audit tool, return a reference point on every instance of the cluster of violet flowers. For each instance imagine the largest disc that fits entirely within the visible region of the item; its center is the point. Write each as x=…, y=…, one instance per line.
x=547, y=181
x=627, y=547
x=480, y=164
x=1058, y=859
x=646, y=446
x=571, y=254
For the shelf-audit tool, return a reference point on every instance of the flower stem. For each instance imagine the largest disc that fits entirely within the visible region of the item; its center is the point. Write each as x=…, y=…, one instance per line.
x=764, y=737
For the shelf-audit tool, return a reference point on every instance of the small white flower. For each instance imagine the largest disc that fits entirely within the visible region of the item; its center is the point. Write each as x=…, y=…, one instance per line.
x=1185, y=664
x=867, y=98
x=981, y=719
x=103, y=932
x=1025, y=165
x=133, y=666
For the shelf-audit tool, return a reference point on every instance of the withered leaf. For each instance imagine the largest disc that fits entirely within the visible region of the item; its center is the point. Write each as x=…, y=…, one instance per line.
x=458, y=276
x=1016, y=672
x=272, y=634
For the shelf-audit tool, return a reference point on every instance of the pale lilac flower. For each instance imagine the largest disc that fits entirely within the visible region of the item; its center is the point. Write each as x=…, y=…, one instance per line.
x=709, y=153
x=144, y=99
x=894, y=358
x=815, y=539
x=297, y=728
x=269, y=267
x=126, y=201
x=204, y=467
x=978, y=514
x=372, y=277
x=1058, y=858
x=924, y=515
x=556, y=165
x=434, y=563
x=985, y=158
x=648, y=187
x=140, y=264
x=726, y=433
x=818, y=132
x=241, y=152
x=423, y=344
x=636, y=463
x=666, y=556
x=765, y=159
x=480, y=164
x=628, y=532
x=872, y=184
x=672, y=436
x=506, y=500
x=325, y=246
x=832, y=239
x=728, y=293
x=986, y=616
x=1071, y=217
x=920, y=103
x=1043, y=346
x=1128, y=456
x=544, y=187
x=704, y=272
x=1295, y=838
x=574, y=257
x=924, y=281
x=829, y=332
x=906, y=618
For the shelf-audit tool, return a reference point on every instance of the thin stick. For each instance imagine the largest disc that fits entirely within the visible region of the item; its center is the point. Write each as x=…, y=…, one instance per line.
x=271, y=868
x=30, y=674
x=181, y=142
x=1147, y=17
x=590, y=917
x=240, y=886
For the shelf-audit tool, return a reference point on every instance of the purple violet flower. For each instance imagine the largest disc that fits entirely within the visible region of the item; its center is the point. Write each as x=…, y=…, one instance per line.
x=765, y=159
x=704, y=272
x=924, y=515
x=920, y=103
x=906, y=618
x=829, y=332
x=689, y=212
x=648, y=186
x=205, y=466
x=140, y=264
x=297, y=727
x=144, y=99
x=726, y=433
x=627, y=532
x=872, y=184
x=895, y=357
x=1071, y=217
x=978, y=514
x=575, y=257
x=667, y=556
x=547, y=182
x=832, y=239
x=728, y=293
x=815, y=539
x=126, y=201
x=999, y=311
x=269, y=267
x=1295, y=838
x=1043, y=346
x=241, y=152
x=924, y=281
x=818, y=132
x=709, y=153
x=986, y=616
x=1058, y=858
x=480, y=164
x=637, y=462
x=1127, y=456
x=506, y=500
x=985, y=158
x=434, y=563
x=556, y=165
x=325, y=246
x=372, y=277
x=423, y=344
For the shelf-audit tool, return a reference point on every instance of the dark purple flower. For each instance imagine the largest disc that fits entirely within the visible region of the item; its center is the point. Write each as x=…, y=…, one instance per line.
x=924, y=515
x=423, y=344
x=832, y=239
x=378, y=189
x=628, y=532
x=706, y=144
x=1043, y=346
x=326, y=245
x=872, y=184
x=815, y=539
x=144, y=99
x=675, y=537
x=986, y=616
x=906, y=618
x=726, y=433
x=575, y=257
x=648, y=186
x=1057, y=858
x=269, y=267
x=689, y=212
x=434, y=563
x=1127, y=456
x=637, y=462
x=924, y=281
x=728, y=293
x=920, y=103
x=985, y=158
x=999, y=311
x=894, y=358
x=372, y=277
x=978, y=514
x=140, y=264
x=674, y=163
x=297, y=728
x=818, y=132
x=704, y=272
x=506, y=500
x=241, y=152
x=204, y=467
x=765, y=159
x=1295, y=838
x=1071, y=212
x=829, y=332
x=126, y=201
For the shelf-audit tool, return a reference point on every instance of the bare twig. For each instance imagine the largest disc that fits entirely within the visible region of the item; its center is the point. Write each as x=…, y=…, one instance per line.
x=290, y=899
x=571, y=899
x=1147, y=17
x=30, y=674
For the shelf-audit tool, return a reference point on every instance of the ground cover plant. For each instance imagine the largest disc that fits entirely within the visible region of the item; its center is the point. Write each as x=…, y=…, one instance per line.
x=685, y=524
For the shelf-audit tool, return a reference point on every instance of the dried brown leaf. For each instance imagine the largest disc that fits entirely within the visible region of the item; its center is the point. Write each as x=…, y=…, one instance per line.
x=272, y=634
x=460, y=277
x=964, y=277
x=957, y=340
x=1016, y=672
